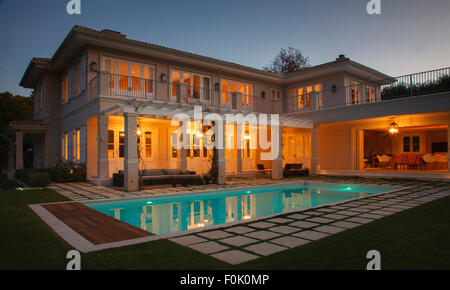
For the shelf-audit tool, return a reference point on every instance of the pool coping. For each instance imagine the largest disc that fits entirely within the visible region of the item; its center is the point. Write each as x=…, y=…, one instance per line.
x=80, y=243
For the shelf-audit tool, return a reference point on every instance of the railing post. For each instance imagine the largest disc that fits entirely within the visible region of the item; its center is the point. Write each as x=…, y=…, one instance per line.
x=410, y=85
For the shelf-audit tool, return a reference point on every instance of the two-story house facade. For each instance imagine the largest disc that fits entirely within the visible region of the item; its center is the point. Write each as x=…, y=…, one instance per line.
x=109, y=102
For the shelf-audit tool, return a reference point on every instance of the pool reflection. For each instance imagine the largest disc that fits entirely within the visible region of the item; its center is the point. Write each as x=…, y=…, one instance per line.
x=185, y=215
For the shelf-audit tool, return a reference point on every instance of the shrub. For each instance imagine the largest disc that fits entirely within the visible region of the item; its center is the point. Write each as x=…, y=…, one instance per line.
x=67, y=172
x=33, y=178
x=7, y=184
x=296, y=172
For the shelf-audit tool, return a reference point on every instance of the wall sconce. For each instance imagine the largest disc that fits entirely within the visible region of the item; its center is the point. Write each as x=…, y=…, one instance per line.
x=333, y=88
x=217, y=86
x=163, y=77
x=138, y=131
x=263, y=94
x=93, y=66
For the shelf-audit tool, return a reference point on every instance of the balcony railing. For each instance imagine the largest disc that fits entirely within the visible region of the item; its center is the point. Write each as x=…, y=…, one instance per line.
x=416, y=84
x=128, y=87
x=141, y=89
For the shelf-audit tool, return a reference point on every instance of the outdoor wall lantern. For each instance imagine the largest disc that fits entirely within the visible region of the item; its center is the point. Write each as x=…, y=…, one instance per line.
x=217, y=86
x=393, y=128
x=93, y=66
x=263, y=94
x=163, y=77
x=333, y=88
x=138, y=131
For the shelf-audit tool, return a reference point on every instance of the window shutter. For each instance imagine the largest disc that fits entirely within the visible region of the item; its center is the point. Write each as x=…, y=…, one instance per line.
x=70, y=80
x=83, y=73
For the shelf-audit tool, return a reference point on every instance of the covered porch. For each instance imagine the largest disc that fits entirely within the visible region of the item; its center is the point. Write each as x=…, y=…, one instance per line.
x=26, y=146
x=401, y=146
x=136, y=137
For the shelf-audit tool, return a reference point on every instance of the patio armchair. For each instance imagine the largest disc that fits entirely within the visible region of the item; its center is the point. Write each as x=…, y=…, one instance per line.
x=385, y=160
x=261, y=170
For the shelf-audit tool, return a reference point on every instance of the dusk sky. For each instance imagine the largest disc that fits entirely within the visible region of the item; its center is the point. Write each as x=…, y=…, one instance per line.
x=409, y=35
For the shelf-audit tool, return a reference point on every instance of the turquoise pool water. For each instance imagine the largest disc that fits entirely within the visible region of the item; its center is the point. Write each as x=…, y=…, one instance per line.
x=180, y=212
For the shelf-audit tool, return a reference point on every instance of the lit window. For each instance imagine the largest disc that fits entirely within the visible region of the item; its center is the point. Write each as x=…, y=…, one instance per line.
x=276, y=94
x=174, y=145
x=196, y=87
x=301, y=103
x=242, y=91
x=356, y=93
x=175, y=82
x=123, y=75
x=136, y=77
x=370, y=94
x=65, y=149
x=224, y=91
x=76, y=145
x=308, y=92
x=148, y=144
x=196, y=148
x=187, y=82
x=121, y=144
x=249, y=95
x=111, y=144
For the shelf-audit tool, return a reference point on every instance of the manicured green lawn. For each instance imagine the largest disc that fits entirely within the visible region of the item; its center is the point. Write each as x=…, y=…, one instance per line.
x=418, y=238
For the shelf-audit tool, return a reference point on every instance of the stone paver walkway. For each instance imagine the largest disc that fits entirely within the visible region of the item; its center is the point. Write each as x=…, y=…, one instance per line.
x=254, y=239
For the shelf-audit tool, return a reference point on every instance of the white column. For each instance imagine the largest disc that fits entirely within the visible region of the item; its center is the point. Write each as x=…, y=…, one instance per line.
x=237, y=130
x=220, y=145
x=315, y=150
x=183, y=158
x=130, y=162
x=83, y=144
x=102, y=149
x=239, y=162
x=360, y=149
x=19, y=150
x=277, y=161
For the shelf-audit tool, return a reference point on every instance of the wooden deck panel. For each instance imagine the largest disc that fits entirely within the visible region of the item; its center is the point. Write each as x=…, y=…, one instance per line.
x=93, y=225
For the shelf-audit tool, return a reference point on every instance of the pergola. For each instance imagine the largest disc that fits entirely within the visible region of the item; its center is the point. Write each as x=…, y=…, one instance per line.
x=132, y=109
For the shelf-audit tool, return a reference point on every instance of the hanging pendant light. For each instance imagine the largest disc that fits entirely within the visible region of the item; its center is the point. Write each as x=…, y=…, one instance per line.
x=393, y=128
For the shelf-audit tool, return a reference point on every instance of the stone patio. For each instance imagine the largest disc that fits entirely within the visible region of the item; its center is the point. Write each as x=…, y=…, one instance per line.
x=264, y=237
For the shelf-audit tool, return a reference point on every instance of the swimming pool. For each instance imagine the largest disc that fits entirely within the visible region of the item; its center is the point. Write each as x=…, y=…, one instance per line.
x=180, y=212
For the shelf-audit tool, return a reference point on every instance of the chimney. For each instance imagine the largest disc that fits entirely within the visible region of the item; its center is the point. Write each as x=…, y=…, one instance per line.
x=113, y=33
x=342, y=58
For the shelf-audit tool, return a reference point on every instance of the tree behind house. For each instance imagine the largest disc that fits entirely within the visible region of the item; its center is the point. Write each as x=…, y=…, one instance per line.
x=287, y=61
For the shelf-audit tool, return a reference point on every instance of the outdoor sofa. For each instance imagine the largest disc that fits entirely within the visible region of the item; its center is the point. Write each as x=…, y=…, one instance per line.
x=161, y=176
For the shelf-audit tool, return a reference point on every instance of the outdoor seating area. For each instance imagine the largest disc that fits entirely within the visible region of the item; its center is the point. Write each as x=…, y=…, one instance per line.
x=162, y=176
x=294, y=169
x=403, y=161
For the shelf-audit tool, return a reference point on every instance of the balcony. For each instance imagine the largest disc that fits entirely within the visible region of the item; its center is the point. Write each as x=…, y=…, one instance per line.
x=142, y=90
x=417, y=84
